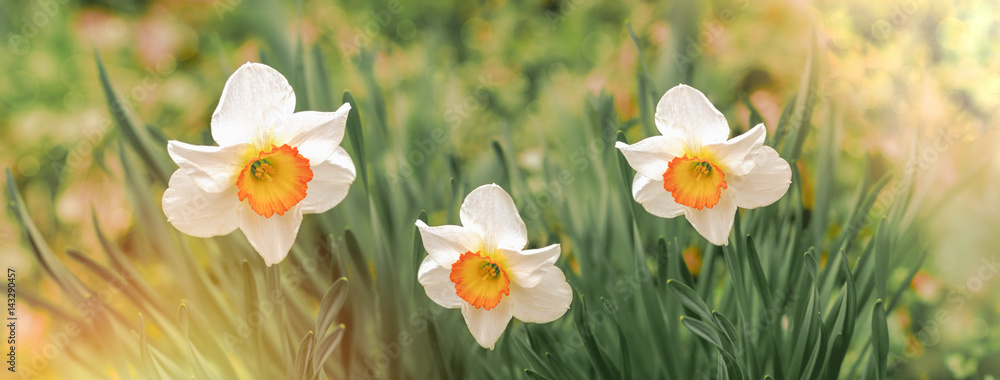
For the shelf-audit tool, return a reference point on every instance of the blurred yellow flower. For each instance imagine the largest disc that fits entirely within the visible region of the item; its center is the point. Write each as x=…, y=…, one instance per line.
x=271, y=166
x=694, y=168
x=483, y=268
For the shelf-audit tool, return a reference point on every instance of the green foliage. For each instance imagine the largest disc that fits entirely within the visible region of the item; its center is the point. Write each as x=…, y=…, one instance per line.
x=782, y=300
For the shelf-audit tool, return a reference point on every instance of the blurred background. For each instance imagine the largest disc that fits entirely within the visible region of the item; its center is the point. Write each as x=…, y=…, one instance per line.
x=913, y=86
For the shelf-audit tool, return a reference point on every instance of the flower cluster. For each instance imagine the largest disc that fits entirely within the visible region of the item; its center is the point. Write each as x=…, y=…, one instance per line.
x=273, y=165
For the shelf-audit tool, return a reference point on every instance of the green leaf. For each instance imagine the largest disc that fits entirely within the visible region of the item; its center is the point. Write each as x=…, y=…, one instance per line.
x=331, y=304
x=150, y=152
x=149, y=367
x=690, y=299
x=623, y=167
x=360, y=264
x=704, y=331
x=528, y=352
x=68, y=282
x=534, y=375
x=755, y=117
x=325, y=348
x=505, y=173
x=881, y=259
x=303, y=358
x=757, y=272
x=626, y=360
x=782, y=128
x=709, y=334
x=357, y=136
x=597, y=357
x=880, y=340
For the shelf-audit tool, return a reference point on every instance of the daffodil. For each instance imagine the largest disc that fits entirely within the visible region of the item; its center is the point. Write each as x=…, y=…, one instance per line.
x=271, y=166
x=483, y=268
x=695, y=170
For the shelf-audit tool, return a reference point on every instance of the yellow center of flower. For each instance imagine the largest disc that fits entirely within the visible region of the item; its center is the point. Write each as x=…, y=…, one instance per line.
x=479, y=280
x=694, y=182
x=273, y=181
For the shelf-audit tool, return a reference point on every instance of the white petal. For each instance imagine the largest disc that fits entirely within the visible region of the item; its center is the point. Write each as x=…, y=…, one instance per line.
x=765, y=184
x=714, y=223
x=738, y=155
x=528, y=267
x=545, y=302
x=651, y=156
x=437, y=283
x=491, y=213
x=446, y=243
x=651, y=195
x=331, y=181
x=197, y=212
x=271, y=237
x=316, y=134
x=487, y=325
x=686, y=112
x=212, y=168
x=253, y=97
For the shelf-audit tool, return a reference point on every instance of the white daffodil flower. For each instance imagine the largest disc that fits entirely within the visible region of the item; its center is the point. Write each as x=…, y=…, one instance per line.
x=483, y=268
x=695, y=170
x=271, y=166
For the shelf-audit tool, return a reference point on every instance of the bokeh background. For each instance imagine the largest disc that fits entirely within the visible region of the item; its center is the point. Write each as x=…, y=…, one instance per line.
x=912, y=85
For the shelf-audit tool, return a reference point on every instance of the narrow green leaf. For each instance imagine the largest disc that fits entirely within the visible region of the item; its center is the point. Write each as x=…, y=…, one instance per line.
x=148, y=367
x=534, y=375
x=881, y=259
x=880, y=340
x=728, y=332
x=361, y=270
x=757, y=272
x=626, y=360
x=755, y=117
x=704, y=331
x=303, y=358
x=597, y=357
x=690, y=299
x=331, y=304
x=68, y=282
x=528, y=352
x=709, y=334
x=355, y=133
x=782, y=128
x=151, y=153
x=325, y=348
x=505, y=172
x=623, y=167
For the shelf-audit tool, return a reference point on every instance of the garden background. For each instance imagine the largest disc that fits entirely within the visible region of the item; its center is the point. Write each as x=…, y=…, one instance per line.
x=887, y=111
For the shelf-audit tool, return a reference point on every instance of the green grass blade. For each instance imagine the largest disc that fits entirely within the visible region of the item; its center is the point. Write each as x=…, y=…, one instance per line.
x=356, y=134
x=880, y=340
